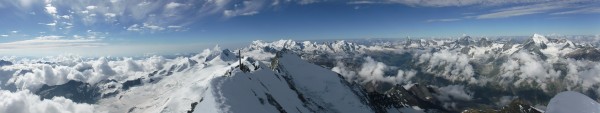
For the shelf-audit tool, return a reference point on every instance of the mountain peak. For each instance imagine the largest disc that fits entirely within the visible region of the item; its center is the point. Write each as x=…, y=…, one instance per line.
x=537, y=38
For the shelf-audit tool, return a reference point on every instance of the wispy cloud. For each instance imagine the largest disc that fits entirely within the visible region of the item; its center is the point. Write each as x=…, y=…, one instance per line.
x=586, y=10
x=52, y=41
x=528, y=9
x=523, y=10
x=251, y=8
x=445, y=3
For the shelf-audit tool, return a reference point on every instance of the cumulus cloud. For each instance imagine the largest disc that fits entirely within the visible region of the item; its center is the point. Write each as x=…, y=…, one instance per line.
x=51, y=9
x=372, y=71
x=25, y=102
x=61, y=69
x=347, y=73
x=450, y=65
x=405, y=76
x=584, y=73
x=524, y=68
x=505, y=100
x=451, y=94
x=454, y=92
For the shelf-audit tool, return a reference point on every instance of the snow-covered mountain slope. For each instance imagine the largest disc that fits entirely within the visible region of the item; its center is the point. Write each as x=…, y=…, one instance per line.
x=216, y=84
x=572, y=102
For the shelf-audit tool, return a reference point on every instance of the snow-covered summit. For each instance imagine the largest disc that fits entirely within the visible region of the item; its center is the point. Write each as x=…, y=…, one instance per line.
x=539, y=39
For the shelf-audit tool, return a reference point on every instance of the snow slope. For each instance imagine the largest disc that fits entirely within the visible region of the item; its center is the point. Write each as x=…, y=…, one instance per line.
x=572, y=102
x=295, y=86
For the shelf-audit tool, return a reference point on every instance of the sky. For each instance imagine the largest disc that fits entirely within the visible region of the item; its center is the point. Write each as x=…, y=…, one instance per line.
x=146, y=27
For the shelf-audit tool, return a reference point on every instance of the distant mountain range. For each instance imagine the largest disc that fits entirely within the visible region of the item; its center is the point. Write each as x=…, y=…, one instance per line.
x=413, y=75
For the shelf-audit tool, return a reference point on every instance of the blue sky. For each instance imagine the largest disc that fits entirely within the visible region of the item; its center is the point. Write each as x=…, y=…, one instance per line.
x=138, y=27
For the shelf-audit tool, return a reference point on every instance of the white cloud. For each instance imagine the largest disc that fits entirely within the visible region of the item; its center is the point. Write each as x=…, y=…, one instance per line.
x=90, y=7
x=146, y=27
x=4, y=35
x=65, y=16
x=372, y=70
x=405, y=76
x=25, y=102
x=51, y=9
x=51, y=37
x=505, y=100
x=454, y=92
x=172, y=5
x=174, y=27
x=110, y=15
x=134, y=27
x=14, y=32
x=448, y=64
x=51, y=24
x=153, y=27
x=344, y=71
x=69, y=67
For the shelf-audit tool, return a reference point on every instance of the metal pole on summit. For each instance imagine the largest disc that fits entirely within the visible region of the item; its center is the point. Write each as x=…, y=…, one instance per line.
x=240, y=57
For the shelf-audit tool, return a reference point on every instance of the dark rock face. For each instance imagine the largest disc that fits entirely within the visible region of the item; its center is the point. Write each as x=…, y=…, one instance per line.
x=587, y=53
x=534, y=48
x=5, y=63
x=483, y=42
x=516, y=106
x=398, y=97
x=77, y=91
x=132, y=83
x=464, y=41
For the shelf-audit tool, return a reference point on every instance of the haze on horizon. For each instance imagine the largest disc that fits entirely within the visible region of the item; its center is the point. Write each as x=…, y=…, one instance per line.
x=138, y=27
